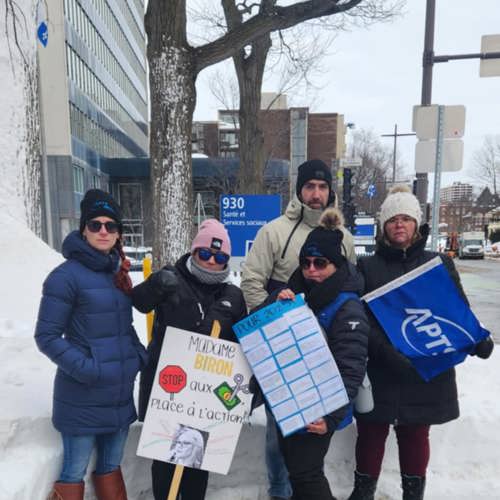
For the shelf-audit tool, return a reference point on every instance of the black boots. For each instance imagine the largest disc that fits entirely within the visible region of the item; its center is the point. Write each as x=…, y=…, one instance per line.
x=364, y=487
x=413, y=487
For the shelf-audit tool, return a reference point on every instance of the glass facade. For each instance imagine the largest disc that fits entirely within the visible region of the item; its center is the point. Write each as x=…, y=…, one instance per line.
x=107, y=84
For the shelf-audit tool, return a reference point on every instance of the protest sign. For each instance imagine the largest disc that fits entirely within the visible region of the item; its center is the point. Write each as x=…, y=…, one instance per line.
x=290, y=358
x=426, y=319
x=198, y=403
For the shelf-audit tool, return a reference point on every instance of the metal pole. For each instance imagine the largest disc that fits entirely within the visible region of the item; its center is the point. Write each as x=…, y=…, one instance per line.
x=394, y=154
x=437, y=180
x=427, y=65
x=428, y=57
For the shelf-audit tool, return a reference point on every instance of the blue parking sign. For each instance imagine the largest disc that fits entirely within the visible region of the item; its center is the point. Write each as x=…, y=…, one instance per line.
x=244, y=215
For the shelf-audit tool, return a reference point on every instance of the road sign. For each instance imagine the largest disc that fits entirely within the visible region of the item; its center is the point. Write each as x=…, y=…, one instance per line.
x=490, y=67
x=365, y=231
x=425, y=120
x=173, y=379
x=452, y=156
x=351, y=162
x=371, y=191
x=43, y=33
x=244, y=215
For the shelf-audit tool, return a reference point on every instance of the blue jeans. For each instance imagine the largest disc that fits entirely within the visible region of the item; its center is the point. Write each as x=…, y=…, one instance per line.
x=78, y=449
x=277, y=473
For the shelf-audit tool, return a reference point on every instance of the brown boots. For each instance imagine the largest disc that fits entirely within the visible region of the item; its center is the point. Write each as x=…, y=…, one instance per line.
x=110, y=486
x=67, y=491
x=107, y=487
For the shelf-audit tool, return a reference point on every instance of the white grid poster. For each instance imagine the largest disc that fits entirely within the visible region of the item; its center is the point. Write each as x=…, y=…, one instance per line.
x=292, y=362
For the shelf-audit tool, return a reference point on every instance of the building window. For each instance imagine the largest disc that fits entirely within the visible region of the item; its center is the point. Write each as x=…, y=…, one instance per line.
x=78, y=182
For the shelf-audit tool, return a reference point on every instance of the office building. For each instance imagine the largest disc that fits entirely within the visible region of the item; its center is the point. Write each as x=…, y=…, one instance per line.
x=94, y=106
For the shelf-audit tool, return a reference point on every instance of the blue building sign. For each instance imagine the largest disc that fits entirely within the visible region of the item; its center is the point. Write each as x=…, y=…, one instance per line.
x=244, y=215
x=43, y=33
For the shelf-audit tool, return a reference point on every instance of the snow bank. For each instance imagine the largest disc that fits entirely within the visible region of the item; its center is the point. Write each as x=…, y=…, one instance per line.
x=25, y=261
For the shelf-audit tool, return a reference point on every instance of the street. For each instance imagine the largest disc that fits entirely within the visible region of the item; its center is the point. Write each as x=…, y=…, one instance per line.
x=481, y=281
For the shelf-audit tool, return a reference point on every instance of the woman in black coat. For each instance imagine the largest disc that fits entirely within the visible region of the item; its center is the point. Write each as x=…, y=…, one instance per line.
x=401, y=397
x=190, y=296
x=324, y=275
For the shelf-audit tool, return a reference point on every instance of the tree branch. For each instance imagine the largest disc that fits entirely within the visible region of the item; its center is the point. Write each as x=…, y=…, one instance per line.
x=271, y=19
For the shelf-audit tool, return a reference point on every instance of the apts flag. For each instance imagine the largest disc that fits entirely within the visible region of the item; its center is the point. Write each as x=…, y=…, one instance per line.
x=425, y=318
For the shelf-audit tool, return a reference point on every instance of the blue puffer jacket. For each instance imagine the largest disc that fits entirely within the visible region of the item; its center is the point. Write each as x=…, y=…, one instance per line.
x=85, y=327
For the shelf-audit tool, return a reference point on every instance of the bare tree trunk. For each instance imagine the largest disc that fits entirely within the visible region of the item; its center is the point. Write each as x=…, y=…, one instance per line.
x=173, y=96
x=32, y=168
x=252, y=156
x=249, y=64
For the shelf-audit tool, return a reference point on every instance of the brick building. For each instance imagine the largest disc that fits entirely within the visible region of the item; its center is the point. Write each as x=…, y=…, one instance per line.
x=461, y=212
x=292, y=134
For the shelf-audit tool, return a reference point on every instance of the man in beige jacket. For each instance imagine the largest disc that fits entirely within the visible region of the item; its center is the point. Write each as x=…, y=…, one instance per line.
x=274, y=253
x=273, y=258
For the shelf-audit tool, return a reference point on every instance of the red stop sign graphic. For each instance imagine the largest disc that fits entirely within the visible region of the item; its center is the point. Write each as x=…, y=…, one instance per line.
x=173, y=379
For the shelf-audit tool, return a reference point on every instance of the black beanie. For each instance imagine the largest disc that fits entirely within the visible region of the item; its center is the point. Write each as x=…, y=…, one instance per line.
x=325, y=240
x=314, y=169
x=97, y=202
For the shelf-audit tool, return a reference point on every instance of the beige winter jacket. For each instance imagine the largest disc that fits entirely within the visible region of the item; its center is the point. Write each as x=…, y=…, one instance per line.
x=275, y=251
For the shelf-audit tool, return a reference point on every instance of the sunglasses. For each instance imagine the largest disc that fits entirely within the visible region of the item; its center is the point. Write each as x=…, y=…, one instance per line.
x=220, y=257
x=317, y=262
x=94, y=226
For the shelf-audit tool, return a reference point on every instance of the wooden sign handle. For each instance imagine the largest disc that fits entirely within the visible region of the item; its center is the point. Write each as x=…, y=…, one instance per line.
x=179, y=469
x=147, y=269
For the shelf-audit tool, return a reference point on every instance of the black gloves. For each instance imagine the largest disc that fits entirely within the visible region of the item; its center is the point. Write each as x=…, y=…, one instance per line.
x=484, y=348
x=164, y=282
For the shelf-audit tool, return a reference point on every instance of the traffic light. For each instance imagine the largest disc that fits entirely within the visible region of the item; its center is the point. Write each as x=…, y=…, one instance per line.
x=348, y=207
x=350, y=215
x=347, y=187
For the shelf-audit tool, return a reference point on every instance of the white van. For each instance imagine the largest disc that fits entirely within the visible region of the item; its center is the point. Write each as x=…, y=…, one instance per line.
x=471, y=245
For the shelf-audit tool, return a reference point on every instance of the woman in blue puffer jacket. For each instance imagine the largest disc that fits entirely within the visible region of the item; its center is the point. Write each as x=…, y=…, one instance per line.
x=85, y=327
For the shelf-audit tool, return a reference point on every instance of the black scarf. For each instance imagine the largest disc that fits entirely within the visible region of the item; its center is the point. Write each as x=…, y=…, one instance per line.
x=319, y=295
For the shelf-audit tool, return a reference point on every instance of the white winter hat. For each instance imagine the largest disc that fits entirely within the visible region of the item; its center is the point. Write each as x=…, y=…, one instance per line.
x=400, y=201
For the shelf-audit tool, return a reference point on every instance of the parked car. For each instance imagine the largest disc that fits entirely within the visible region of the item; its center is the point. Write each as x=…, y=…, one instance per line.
x=136, y=255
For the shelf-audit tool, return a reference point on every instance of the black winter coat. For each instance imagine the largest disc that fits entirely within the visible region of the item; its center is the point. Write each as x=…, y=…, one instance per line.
x=195, y=307
x=401, y=396
x=347, y=336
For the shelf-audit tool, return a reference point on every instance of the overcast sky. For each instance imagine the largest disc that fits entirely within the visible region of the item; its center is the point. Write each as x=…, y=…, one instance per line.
x=374, y=76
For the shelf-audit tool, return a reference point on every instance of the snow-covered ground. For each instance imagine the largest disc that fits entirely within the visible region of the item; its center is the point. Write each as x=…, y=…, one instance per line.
x=465, y=461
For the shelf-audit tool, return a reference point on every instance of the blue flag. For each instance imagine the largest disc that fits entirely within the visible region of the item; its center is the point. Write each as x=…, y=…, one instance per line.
x=426, y=319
